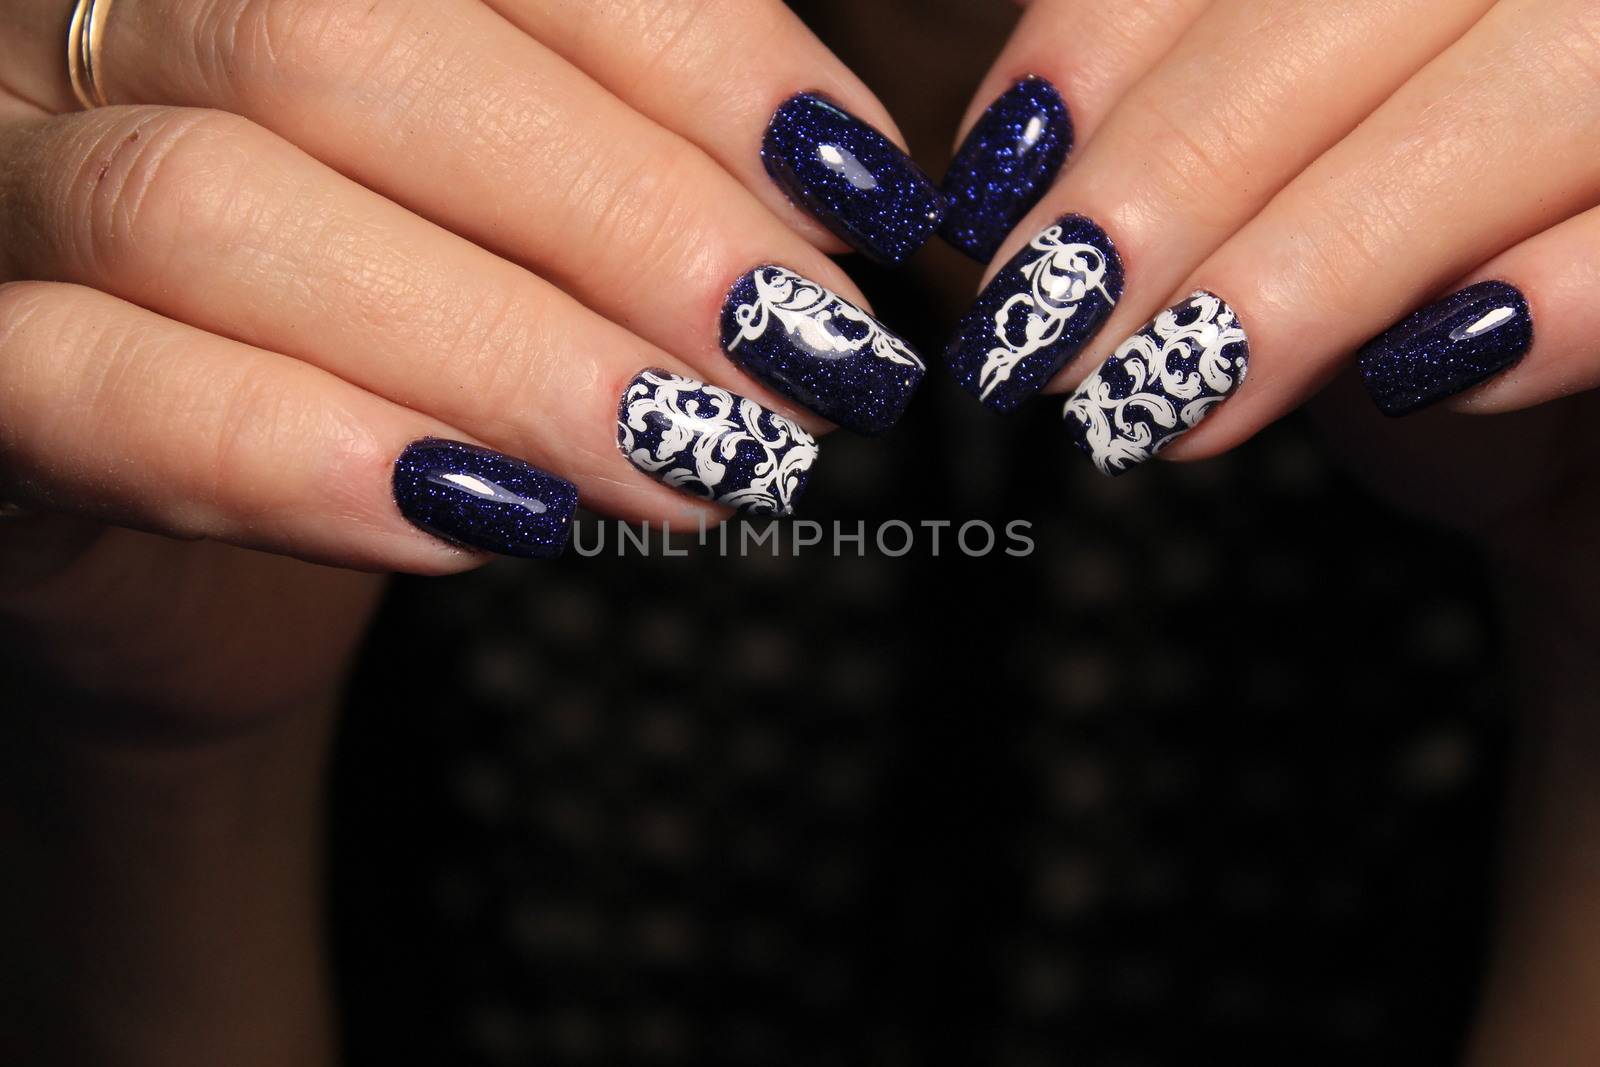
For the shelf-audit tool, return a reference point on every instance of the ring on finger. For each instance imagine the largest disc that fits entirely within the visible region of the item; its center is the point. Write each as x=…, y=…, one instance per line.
x=85, y=42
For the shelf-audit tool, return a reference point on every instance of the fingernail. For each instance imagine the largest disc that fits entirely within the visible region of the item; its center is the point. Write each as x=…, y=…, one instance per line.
x=819, y=350
x=1160, y=384
x=1447, y=348
x=712, y=444
x=1039, y=311
x=1005, y=166
x=473, y=497
x=855, y=180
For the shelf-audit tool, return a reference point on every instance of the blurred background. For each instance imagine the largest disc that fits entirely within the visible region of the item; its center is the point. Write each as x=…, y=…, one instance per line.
x=1213, y=775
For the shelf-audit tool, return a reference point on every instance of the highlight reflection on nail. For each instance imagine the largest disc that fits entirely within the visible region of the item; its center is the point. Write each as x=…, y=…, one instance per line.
x=1005, y=166
x=482, y=499
x=856, y=181
x=1447, y=348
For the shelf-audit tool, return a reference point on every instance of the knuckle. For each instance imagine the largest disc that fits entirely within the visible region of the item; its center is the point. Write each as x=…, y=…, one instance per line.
x=509, y=343
x=72, y=367
x=478, y=337
x=1344, y=248
x=51, y=352
x=246, y=47
x=684, y=40
x=154, y=176
x=28, y=330
x=257, y=413
x=649, y=212
x=1199, y=163
x=498, y=342
x=22, y=306
x=1572, y=51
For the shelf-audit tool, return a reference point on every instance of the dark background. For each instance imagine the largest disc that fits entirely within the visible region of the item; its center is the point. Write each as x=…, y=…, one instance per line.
x=1213, y=776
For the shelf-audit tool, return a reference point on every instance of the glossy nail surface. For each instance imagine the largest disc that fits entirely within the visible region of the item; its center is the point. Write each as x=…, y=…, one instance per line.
x=820, y=350
x=473, y=497
x=1161, y=383
x=1005, y=166
x=1448, y=347
x=712, y=444
x=855, y=180
x=1037, y=313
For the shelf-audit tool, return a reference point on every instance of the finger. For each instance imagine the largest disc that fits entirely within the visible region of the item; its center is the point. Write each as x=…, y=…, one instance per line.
x=725, y=74
x=211, y=220
x=1066, y=65
x=1253, y=93
x=113, y=413
x=1337, y=256
x=620, y=213
x=15, y=109
x=30, y=70
x=1523, y=328
x=501, y=141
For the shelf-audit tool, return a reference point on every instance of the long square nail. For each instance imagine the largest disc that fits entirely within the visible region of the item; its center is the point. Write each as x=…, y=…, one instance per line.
x=1447, y=348
x=709, y=443
x=1160, y=384
x=1037, y=313
x=857, y=182
x=477, y=498
x=1005, y=166
x=819, y=350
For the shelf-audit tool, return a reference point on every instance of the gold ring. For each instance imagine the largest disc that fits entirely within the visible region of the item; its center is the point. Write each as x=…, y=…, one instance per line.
x=85, y=40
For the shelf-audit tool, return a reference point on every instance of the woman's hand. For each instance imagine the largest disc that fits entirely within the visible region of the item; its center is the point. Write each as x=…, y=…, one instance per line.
x=340, y=286
x=331, y=265
x=1317, y=173
x=1407, y=187
x=1292, y=180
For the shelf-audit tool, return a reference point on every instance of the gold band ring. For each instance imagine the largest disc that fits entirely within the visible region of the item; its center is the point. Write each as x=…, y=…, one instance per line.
x=85, y=40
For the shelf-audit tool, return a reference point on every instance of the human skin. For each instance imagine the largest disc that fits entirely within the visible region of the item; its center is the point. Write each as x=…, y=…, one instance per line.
x=151, y=744
x=1227, y=148
x=306, y=235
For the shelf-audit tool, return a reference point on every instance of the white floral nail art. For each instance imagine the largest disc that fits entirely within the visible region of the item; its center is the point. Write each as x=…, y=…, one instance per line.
x=708, y=442
x=1160, y=383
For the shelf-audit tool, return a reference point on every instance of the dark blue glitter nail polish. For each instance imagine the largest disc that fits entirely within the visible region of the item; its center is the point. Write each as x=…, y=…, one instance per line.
x=1039, y=311
x=712, y=444
x=1159, y=384
x=473, y=497
x=1005, y=166
x=1447, y=348
x=852, y=178
x=819, y=350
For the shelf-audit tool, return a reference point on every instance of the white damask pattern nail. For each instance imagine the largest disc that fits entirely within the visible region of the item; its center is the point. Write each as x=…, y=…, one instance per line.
x=1160, y=384
x=709, y=443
